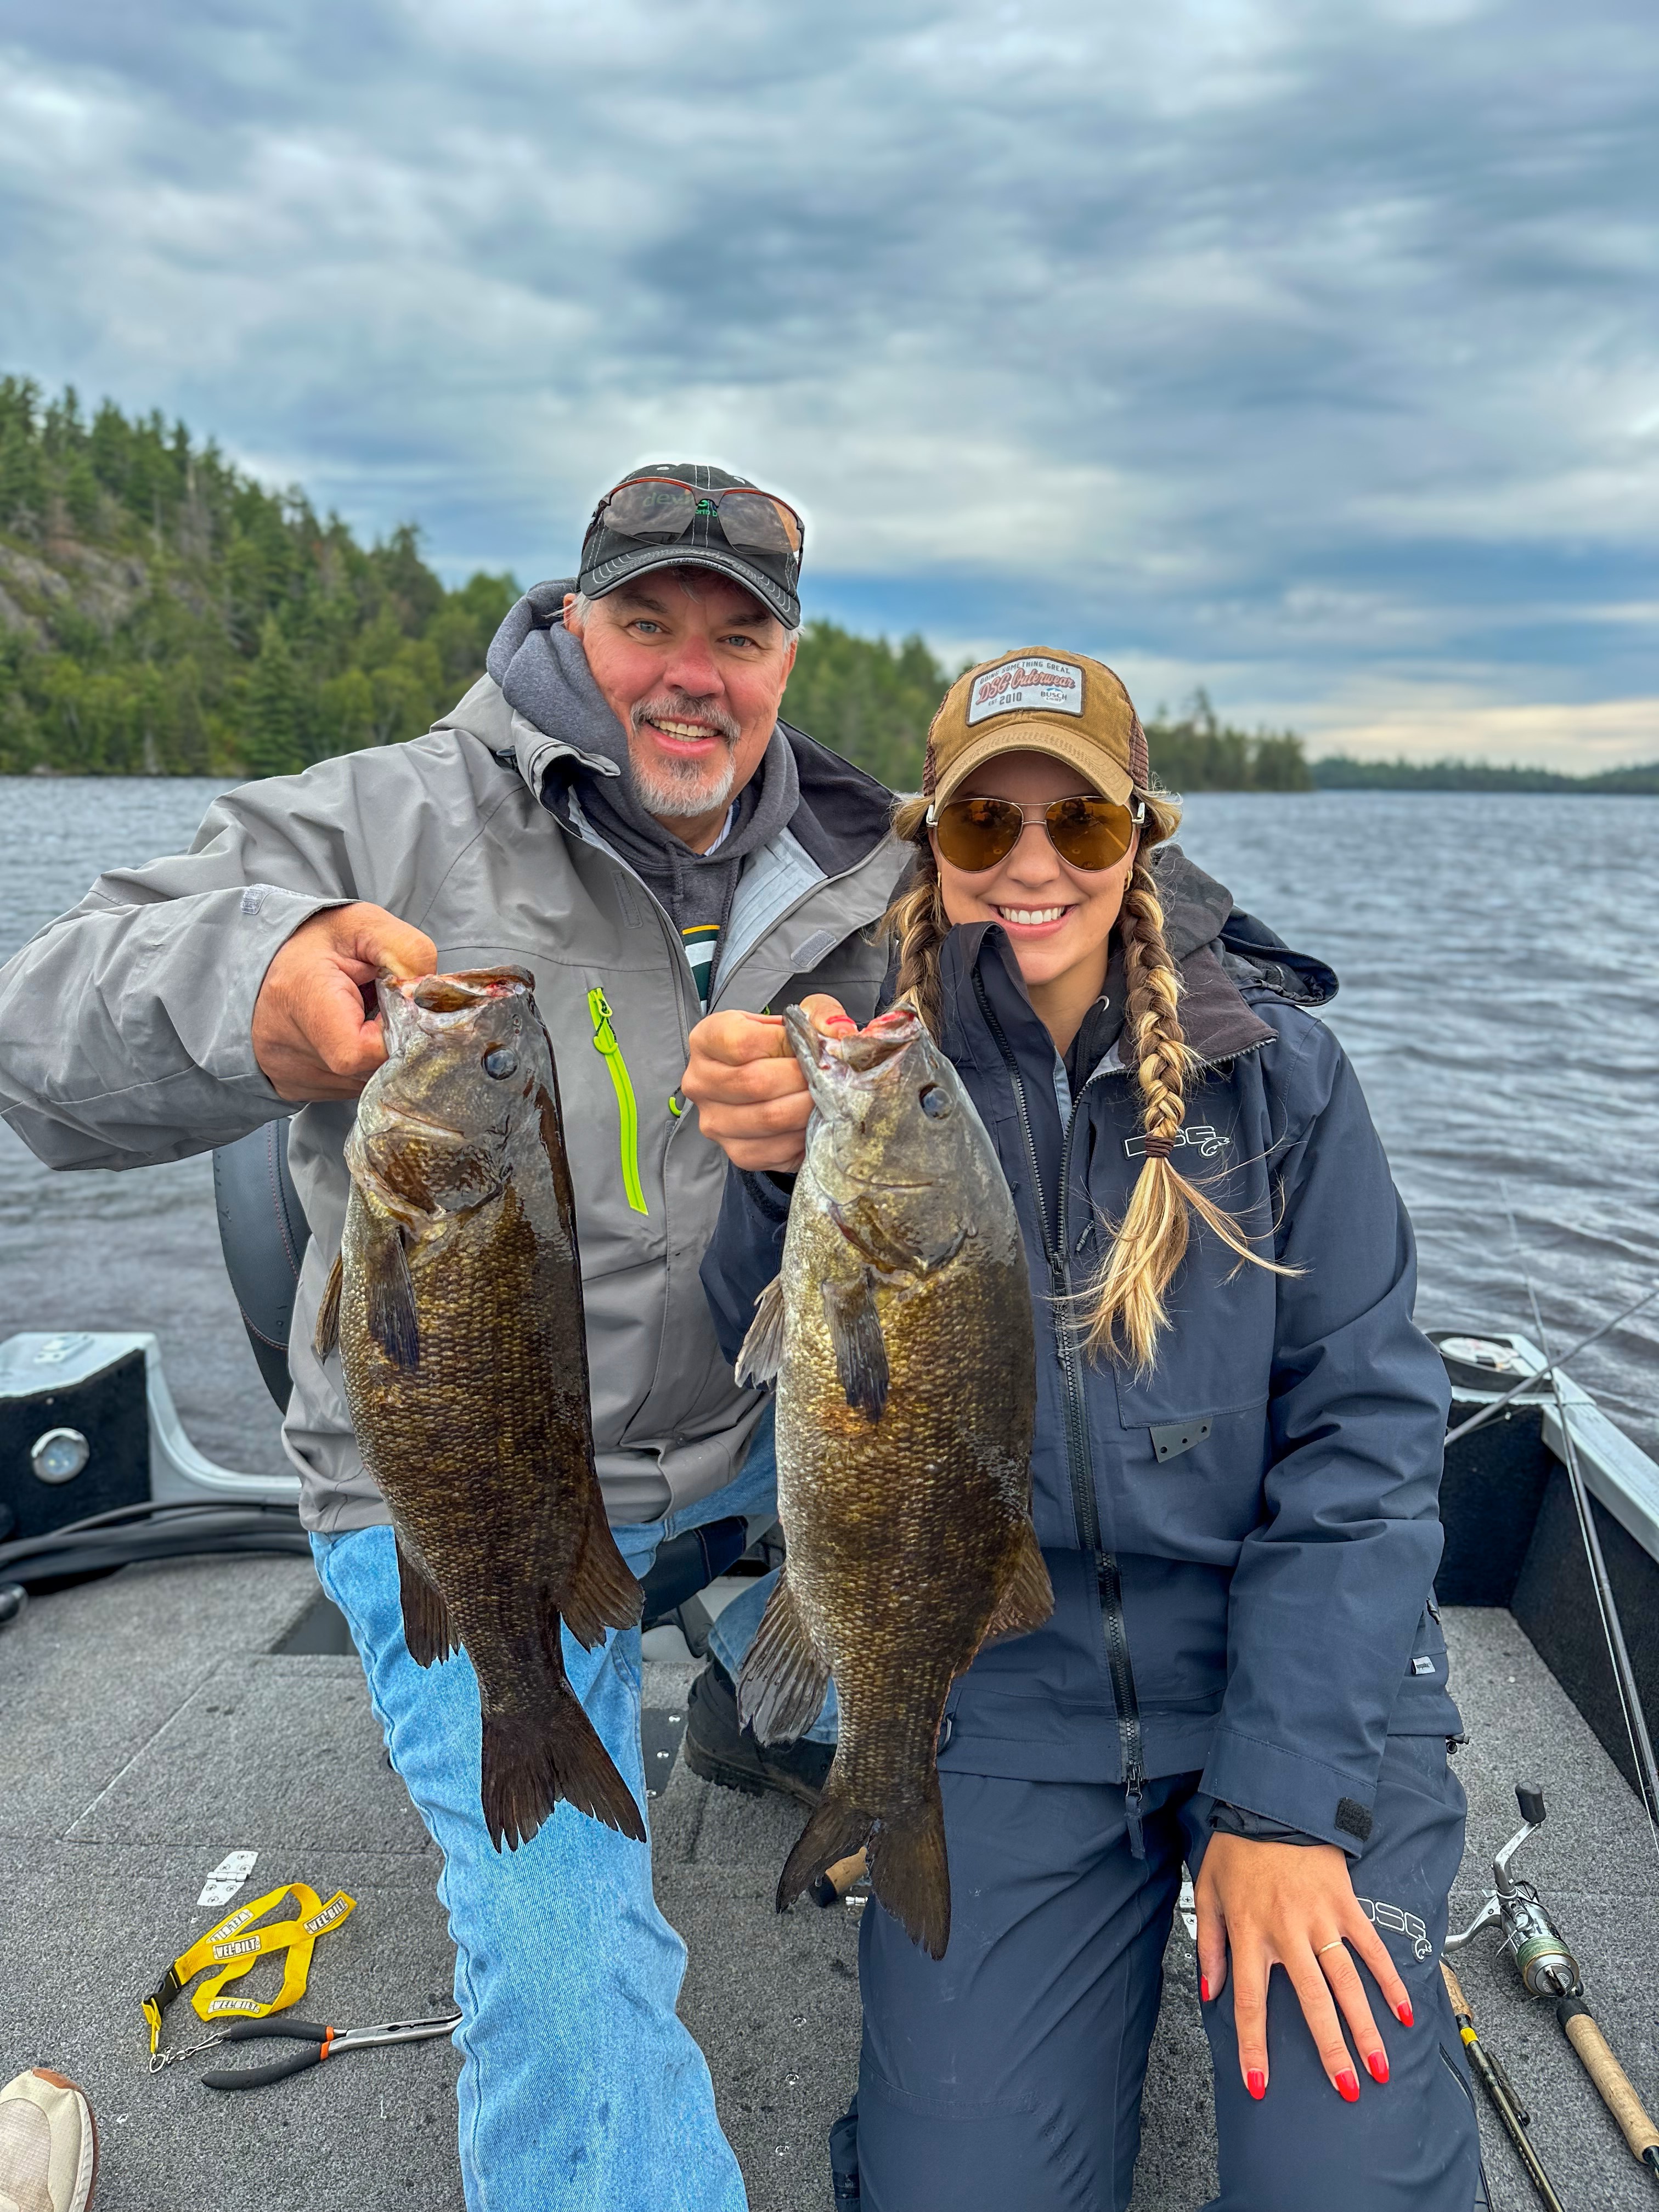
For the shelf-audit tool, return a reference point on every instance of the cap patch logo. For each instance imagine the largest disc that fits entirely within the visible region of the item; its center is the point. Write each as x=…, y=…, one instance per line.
x=1054, y=687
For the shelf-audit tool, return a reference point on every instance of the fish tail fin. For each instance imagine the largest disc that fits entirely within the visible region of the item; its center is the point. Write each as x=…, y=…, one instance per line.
x=910, y=1874
x=837, y=1829
x=534, y=1756
x=603, y=1593
x=428, y=1630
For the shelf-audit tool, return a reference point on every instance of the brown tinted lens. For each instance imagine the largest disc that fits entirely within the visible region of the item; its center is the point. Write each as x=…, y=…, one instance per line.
x=974, y=833
x=763, y=525
x=1090, y=833
x=654, y=509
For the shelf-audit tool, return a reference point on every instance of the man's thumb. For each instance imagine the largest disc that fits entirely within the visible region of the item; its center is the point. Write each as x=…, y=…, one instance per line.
x=392, y=947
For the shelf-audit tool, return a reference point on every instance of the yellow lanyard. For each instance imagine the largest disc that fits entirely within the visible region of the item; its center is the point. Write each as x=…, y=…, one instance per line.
x=236, y=1954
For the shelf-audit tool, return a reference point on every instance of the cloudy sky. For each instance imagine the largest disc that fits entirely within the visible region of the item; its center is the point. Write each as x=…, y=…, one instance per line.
x=1306, y=349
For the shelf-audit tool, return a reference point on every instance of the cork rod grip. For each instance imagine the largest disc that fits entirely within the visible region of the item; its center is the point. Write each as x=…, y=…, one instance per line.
x=1460, y=2003
x=1609, y=2077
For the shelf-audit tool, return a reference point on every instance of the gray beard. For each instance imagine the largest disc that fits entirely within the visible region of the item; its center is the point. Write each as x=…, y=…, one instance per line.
x=681, y=791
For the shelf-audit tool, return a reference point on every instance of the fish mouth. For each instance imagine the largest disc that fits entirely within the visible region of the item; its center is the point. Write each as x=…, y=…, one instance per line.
x=851, y=1052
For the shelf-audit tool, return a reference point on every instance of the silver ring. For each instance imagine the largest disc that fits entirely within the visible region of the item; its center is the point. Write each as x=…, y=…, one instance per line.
x=1335, y=1944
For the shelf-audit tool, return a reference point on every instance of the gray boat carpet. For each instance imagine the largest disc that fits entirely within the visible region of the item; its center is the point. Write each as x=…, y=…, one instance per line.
x=149, y=1726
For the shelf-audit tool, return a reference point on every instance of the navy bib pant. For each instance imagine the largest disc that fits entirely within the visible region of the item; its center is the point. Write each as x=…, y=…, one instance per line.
x=1009, y=2073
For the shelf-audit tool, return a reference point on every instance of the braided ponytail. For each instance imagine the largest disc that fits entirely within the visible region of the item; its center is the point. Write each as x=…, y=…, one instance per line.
x=1128, y=1312
x=916, y=918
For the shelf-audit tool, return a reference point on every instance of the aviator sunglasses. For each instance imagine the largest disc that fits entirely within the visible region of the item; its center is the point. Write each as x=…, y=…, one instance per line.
x=658, y=509
x=974, y=833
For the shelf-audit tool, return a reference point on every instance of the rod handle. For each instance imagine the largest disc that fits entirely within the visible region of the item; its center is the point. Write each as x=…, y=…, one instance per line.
x=1609, y=2077
x=834, y=1883
x=1460, y=2003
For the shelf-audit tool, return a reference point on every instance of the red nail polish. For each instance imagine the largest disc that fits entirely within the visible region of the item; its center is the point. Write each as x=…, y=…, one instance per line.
x=1377, y=2063
x=1204, y=1989
x=1348, y=2082
x=1403, y=2013
x=1256, y=2082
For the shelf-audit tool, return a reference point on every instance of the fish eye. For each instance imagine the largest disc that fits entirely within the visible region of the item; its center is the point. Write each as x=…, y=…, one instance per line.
x=500, y=1063
x=933, y=1100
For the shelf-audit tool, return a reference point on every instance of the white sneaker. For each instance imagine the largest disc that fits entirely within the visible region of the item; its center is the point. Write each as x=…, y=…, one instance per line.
x=48, y=2145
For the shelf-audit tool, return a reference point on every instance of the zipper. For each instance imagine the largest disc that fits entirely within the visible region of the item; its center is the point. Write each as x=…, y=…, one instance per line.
x=628, y=1112
x=1085, y=1507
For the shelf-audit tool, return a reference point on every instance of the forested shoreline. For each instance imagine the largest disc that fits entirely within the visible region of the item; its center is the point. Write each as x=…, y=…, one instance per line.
x=162, y=613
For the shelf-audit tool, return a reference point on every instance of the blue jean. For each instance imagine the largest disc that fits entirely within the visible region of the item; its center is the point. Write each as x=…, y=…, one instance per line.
x=580, y=2090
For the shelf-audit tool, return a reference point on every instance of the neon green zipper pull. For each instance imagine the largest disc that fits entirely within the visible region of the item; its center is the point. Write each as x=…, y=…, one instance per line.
x=606, y=1043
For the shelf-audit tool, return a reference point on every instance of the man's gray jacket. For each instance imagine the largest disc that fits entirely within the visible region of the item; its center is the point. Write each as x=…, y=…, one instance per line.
x=125, y=1037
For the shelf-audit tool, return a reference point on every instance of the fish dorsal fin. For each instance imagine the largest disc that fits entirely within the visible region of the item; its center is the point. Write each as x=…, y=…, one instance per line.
x=602, y=1593
x=762, y=1348
x=326, y=1335
x=781, y=1685
x=860, y=1349
x=1028, y=1597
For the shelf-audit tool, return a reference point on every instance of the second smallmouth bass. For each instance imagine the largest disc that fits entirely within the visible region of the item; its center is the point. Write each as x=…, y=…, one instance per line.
x=457, y=1305
x=900, y=1333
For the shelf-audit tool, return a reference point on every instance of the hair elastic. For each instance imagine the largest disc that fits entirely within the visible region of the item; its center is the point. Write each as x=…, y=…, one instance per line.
x=1156, y=1148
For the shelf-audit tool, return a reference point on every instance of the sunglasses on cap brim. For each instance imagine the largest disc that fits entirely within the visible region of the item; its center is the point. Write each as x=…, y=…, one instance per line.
x=658, y=510
x=1088, y=833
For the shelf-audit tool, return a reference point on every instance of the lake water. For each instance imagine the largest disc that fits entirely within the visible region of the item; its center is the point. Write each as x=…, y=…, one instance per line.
x=1500, y=998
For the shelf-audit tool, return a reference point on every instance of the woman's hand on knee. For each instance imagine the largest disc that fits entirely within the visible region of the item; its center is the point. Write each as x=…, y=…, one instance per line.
x=1292, y=1905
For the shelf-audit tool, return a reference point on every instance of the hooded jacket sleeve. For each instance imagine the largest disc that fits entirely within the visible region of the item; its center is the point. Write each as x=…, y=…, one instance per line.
x=1331, y=1586
x=126, y=1026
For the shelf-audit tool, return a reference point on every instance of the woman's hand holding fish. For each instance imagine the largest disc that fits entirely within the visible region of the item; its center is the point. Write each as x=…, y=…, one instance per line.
x=747, y=1086
x=315, y=1032
x=1292, y=1905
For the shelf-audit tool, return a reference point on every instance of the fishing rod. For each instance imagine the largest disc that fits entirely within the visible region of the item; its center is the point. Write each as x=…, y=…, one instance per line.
x=1488, y=2070
x=1624, y=1675
x=1548, y=1969
x=1547, y=1373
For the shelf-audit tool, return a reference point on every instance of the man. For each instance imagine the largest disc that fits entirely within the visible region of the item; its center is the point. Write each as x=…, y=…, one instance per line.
x=617, y=807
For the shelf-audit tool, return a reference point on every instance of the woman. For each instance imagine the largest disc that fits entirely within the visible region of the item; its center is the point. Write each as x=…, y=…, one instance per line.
x=1234, y=1486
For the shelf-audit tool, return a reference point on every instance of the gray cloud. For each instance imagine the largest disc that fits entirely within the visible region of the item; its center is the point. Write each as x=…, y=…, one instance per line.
x=1312, y=350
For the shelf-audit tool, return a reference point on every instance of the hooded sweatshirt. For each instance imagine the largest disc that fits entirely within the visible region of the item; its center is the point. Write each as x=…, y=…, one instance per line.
x=544, y=676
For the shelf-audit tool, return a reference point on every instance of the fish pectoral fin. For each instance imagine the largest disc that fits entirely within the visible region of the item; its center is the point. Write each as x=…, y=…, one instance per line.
x=762, y=1348
x=392, y=1318
x=781, y=1683
x=603, y=1594
x=860, y=1348
x=427, y=1628
x=326, y=1337
x=1028, y=1598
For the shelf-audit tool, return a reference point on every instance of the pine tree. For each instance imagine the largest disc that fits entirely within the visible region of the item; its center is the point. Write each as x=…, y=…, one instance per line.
x=271, y=742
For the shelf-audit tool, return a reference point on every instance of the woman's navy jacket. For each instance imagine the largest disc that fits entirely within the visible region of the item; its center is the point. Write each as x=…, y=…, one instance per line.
x=1261, y=1578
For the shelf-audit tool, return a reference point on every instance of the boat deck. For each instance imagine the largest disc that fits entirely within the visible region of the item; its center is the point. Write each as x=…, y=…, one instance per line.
x=151, y=1723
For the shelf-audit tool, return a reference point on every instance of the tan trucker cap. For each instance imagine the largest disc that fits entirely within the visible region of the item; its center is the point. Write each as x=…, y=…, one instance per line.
x=1060, y=704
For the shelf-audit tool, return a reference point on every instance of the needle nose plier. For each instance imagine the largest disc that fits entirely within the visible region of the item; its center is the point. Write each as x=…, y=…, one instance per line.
x=320, y=2042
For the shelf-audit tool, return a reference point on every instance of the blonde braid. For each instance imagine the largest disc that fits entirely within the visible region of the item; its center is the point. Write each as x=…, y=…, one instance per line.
x=1128, y=1312
x=917, y=920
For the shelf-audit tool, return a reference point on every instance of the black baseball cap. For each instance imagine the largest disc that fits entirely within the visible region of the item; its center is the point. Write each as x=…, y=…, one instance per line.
x=681, y=528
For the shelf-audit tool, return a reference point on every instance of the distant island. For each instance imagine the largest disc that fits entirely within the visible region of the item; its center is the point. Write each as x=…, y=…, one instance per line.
x=1338, y=773
x=163, y=614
